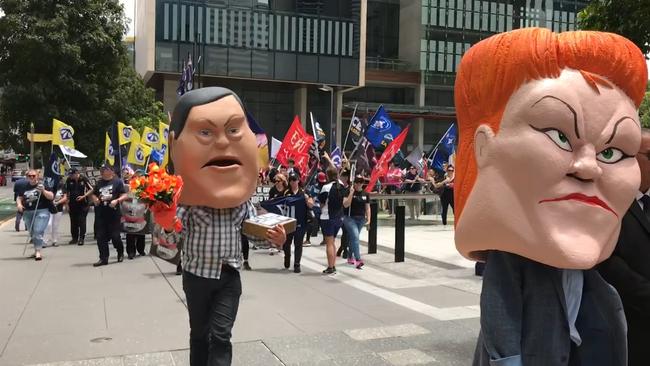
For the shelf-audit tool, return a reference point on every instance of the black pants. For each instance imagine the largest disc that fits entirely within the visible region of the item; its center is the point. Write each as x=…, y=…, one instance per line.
x=108, y=228
x=446, y=200
x=133, y=242
x=244, y=246
x=295, y=237
x=212, y=305
x=78, y=223
x=19, y=218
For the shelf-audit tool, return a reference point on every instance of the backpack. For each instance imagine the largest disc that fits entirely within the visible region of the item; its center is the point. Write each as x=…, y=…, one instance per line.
x=335, y=200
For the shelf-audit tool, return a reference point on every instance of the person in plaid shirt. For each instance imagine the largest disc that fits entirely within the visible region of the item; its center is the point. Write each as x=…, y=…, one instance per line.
x=215, y=152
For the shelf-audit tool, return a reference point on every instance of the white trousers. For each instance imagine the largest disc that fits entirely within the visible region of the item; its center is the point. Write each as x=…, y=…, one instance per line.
x=52, y=231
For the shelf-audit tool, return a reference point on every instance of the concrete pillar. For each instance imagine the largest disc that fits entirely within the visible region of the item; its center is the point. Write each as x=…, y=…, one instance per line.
x=300, y=105
x=338, y=117
x=418, y=126
x=170, y=98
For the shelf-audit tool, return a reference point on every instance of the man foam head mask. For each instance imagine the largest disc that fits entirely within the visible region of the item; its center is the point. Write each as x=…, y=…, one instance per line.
x=548, y=131
x=213, y=149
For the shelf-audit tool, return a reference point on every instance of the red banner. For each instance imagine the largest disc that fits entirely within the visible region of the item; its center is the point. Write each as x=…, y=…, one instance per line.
x=382, y=165
x=295, y=145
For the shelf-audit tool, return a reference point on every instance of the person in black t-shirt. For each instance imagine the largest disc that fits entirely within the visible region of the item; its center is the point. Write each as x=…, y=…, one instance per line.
x=108, y=193
x=279, y=186
x=357, y=214
x=76, y=187
x=297, y=236
x=34, y=203
x=56, y=212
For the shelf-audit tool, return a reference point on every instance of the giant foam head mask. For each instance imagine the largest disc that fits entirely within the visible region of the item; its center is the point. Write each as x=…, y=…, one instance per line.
x=213, y=149
x=548, y=131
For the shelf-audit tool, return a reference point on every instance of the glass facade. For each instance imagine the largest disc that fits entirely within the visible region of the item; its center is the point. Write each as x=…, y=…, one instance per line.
x=451, y=27
x=288, y=40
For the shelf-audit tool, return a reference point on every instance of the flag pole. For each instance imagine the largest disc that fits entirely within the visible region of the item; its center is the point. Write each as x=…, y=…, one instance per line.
x=345, y=142
x=313, y=130
x=31, y=147
x=439, y=141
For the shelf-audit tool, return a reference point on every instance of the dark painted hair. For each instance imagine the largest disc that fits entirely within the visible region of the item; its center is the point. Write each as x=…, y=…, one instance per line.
x=195, y=98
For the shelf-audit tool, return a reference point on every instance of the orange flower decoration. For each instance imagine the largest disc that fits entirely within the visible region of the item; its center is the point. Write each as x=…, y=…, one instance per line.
x=160, y=191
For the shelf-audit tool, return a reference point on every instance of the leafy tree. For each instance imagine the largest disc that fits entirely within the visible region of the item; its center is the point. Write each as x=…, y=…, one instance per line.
x=65, y=59
x=629, y=18
x=644, y=109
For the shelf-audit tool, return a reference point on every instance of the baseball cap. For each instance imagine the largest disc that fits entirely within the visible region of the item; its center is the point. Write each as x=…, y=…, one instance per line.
x=73, y=170
x=106, y=167
x=322, y=178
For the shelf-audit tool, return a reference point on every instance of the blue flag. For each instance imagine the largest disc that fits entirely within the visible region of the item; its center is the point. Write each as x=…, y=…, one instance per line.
x=445, y=148
x=290, y=206
x=252, y=123
x=336, y=157
x=52, y=173
x=156, y=156
x=381, y=129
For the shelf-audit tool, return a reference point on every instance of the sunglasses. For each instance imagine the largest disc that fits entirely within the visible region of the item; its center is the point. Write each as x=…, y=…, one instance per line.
x=31, y=176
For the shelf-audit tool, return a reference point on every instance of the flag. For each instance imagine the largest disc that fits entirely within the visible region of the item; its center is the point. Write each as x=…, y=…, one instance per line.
x=445, y=149
x=382, y=165
x=357, y=129
x=164, y=149
x=39, y=137
x=381, y=129
x=108, y=150
x=289, y=206
x=150, y=137
x=181, y=83
x=415, y=158
x=163, y=133
x=189, y=74
x=336, y=157
x=318, y=132
x=296, y=143
x=275, y=147
x=52, y=173
x=62, y=133
x=156, y=156
x=72, y=152
x=124, y=133
x=262, y=142
x=138, y=153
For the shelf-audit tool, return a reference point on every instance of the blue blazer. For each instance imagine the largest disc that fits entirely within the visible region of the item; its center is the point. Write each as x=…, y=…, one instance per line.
x=524, y=321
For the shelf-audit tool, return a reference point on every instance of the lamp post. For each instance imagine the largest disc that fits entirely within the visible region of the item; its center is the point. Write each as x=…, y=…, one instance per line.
x=327, y=88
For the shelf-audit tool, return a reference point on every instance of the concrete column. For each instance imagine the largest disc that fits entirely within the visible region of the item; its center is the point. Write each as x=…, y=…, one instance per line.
x=418, y=126
x=170, y=98
x=300, y=104
x=338, y=117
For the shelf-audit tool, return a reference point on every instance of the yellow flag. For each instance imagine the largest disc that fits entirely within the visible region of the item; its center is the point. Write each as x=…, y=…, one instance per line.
x=108, y=151
x=62, y=134
x=163, y=133
x=165, y=151
x=138, y=153
x=39, y=137
x=124, y=133
x=150, y=137
x=135, y=137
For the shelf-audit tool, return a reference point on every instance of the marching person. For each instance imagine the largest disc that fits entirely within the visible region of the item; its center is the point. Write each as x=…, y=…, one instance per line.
x=34, y=203
x=76, y=187
x=134, y=219
x=412, y=185
x=301, y=218
x=19, y=189
x=107, y=194
x=357, y=209
x=331, y=216
x=56, y=212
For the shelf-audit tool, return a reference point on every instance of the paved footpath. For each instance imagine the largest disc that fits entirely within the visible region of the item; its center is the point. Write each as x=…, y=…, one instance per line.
x=62, y=311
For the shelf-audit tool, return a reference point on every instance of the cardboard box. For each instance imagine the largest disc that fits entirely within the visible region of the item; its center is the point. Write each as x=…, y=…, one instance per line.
x=257, y=226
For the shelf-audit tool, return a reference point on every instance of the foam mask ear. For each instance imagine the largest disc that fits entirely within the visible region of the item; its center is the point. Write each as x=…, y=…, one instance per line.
x=482, y=140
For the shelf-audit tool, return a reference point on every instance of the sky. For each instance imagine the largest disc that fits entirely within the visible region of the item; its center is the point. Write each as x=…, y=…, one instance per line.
x=129, y=10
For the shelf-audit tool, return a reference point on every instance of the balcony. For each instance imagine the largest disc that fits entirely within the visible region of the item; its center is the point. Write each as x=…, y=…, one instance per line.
x=381, y=63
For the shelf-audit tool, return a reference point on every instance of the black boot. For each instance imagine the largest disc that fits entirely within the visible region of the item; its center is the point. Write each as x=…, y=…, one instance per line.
x=296, y=268
x=287, y=261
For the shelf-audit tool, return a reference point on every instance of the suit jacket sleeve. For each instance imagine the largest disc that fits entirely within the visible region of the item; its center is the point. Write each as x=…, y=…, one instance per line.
x=502, y=308
x=631, y=286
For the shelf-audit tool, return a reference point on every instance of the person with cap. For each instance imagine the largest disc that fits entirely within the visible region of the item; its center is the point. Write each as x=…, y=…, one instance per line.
x=299, y=212
x=107, y=194
x=76, y=189
x=357, y=215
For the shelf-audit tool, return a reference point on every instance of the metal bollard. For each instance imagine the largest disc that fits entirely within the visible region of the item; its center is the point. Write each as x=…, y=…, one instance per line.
x=400, y=214
x=372, y=230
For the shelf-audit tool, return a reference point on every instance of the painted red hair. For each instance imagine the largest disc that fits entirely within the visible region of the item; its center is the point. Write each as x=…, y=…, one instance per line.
x=493, y=69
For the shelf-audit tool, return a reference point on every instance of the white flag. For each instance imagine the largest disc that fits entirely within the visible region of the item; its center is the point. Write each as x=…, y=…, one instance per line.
x=71, y=152
x=275, y=147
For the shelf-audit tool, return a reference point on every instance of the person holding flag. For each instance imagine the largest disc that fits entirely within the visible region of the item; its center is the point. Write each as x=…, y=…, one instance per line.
x=34, y=203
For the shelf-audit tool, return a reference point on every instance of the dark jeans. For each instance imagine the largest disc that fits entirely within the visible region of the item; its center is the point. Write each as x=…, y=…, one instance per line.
x=108, y=228
x=212, y=305
x=296, y=237
x=19, y=218
x=446, y=200
x=133, y=242
x=78, y=223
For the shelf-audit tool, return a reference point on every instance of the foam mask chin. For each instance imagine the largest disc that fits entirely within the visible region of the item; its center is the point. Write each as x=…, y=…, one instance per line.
x=555, y=181
x=216, y=155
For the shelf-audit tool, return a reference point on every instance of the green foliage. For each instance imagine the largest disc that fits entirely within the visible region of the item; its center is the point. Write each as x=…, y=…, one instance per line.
x=65, y=59
x=629, y=18
x=644, y=109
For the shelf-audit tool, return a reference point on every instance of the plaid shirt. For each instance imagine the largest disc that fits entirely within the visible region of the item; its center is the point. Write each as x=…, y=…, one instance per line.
x=211, y=238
